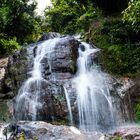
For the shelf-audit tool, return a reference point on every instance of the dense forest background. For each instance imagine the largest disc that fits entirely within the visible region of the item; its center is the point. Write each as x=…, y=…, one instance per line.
x=112, y=25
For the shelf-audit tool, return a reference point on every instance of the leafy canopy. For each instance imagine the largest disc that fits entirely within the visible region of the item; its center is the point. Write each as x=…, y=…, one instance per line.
x=18, y=23
x=69, y=16
x=131, y=15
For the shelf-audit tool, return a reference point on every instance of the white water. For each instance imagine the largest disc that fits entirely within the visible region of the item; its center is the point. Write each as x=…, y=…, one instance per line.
x=28, y=100
x=68, y=105
x=93, y=97
x=2, y=131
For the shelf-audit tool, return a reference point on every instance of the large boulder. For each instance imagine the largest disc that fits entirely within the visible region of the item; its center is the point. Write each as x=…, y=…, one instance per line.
x=44, y=131
x=52, y=97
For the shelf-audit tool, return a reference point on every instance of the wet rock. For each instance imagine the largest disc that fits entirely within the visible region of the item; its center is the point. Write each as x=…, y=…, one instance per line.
x=6, y=110
x=49, y=35
x=55, y=70
x=131, y=132
x=43, y=131
x=58, y=70
x=119, y=89
x=125, y=93
x=46, y=131
x=17, y=71
x=82, y=47
x=64, y=57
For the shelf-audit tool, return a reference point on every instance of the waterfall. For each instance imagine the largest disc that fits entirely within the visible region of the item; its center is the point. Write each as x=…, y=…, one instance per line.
x=27, y=101
x=93, y=98
x=91, y=94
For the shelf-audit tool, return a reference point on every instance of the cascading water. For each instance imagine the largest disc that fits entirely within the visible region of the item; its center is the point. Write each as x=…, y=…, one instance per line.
x=93, y=98
x=69, y=106
x=27, y=101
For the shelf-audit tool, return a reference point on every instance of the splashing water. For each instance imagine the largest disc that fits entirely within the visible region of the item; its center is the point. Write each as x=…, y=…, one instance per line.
x=93, y=98
x=4, y=134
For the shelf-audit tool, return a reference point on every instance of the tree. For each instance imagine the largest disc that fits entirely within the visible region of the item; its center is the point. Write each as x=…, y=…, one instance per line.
x=67, y=16
x=23, y=21
x=131, y=15
x=18, y=22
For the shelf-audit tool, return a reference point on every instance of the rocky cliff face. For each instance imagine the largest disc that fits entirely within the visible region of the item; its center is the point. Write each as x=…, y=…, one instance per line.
x=63, y=67
x=125, y=92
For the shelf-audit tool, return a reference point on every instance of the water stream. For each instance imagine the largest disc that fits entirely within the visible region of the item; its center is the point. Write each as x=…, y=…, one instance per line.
x=28, y=100
x=93, y=97
x=69, y=106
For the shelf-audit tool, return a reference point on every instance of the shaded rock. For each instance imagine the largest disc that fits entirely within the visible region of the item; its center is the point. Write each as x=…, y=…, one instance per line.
x=126, y=95
x=49, y=35
x=64, y=58
x=119, y=89
x=134, y=93
x=17, y=70
x=55, y=70
x=6, y=110
x=3, y=65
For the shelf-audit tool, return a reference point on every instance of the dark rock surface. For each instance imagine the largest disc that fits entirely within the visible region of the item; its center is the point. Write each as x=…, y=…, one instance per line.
x=49, y=35
x=52, y=97
x=3, y=65
x=119, y=89
x=126, y=94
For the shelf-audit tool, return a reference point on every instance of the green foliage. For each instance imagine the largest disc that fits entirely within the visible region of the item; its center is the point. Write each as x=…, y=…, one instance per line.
x=8, y=45
x=131, y=14
x=58, y=22
x=121, y=48
x=69, y=17
x=4, y=14
x=3, y=111
x=22, y=136
x=116, y=138
x=74, y=16
x=18, y=23
x=85, y=19
x=137, y=112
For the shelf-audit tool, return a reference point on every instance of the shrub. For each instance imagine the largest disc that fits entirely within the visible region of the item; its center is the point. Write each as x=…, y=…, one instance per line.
x=8, y=45
x=137, y=111
x=131, y=15
x=120, y=46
